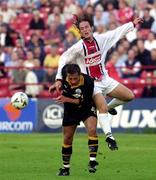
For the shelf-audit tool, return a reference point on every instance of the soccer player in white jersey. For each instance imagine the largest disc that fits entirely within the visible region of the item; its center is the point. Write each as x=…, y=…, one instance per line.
x=89, y=53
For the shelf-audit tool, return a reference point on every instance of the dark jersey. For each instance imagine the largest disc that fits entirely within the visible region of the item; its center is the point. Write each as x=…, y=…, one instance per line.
x=84, y=92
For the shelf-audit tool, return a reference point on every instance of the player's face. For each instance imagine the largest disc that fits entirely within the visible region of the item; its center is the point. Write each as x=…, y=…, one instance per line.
x=73, y=79
x=85, y=30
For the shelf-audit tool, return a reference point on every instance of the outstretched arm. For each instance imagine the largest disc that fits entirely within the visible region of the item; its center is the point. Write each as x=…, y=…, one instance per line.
x=110, y=38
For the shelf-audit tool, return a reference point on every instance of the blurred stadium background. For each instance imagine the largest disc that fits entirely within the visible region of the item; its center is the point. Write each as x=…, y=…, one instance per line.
x=33, y=35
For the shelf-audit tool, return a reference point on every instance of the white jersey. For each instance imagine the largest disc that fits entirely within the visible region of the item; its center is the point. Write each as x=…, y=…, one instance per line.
x=91, y=56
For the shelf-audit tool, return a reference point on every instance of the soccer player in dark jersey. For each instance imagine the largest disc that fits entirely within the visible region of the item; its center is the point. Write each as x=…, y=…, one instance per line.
x=77, y=92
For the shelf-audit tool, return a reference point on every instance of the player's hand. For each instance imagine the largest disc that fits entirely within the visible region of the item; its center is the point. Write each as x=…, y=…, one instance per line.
x=61, y=99
x=52, y=88
x=56, y=86
x=137, y=21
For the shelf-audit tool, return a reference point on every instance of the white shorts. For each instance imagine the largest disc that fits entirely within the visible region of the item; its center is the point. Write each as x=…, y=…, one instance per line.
x=105, y=86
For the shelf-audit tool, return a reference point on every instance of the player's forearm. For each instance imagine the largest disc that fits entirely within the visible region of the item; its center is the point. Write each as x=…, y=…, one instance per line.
x=72, y=100
x=61, y=64
x=124, y=29
x=112, y=37
x=66, y=58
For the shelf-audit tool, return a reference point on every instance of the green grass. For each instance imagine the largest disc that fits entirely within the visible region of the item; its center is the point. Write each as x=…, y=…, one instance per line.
x=38, y=157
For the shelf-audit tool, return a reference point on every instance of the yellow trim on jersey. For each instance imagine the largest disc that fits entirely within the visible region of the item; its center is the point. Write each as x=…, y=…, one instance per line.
x=81, y=82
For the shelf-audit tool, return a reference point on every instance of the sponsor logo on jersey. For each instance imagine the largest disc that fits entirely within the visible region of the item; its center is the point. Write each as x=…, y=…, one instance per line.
x=94, y=59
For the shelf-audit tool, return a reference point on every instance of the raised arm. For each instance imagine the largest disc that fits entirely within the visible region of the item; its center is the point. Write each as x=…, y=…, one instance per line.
x=67, y=57
x=112, y=37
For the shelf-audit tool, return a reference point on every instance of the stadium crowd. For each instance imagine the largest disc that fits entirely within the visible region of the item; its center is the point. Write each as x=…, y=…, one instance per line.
x=33, y=35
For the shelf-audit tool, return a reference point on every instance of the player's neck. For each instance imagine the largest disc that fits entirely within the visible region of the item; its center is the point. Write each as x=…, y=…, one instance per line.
x=89, y=39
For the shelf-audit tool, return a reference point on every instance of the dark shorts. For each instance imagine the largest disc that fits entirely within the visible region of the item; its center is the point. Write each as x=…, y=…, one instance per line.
x=69, y=120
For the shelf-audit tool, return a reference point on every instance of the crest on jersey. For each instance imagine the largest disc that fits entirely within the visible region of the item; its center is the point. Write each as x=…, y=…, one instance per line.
x=77, y=93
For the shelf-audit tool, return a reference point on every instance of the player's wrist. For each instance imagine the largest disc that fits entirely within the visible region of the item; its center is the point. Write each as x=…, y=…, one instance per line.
x=60, y=80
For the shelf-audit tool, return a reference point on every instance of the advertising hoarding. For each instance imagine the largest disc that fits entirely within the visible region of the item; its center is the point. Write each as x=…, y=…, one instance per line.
x=135, y=116
x=14, y=120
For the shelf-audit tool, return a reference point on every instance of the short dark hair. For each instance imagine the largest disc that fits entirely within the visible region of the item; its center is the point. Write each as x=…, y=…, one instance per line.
x=83, y=17
x=71, y=69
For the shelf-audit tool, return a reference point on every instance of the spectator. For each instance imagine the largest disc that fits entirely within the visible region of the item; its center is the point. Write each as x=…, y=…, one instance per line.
x=40, y=72
x=150, y=89
x=150, y=42
x=111, y=9
x=30, y=60
x=5, y=36
x=32, y=88
x=112, y=20
x=122, y=56
x=69, y=40
x=20, y=48
x=69, y=9
x=79, y=10
x=61, y=28
x=131, y=68
x=7, y=13
x=16, y=73
x=148, y=21
x=89, y=10
x=38, y=54
x=125, y=13
x=52, y=58
x=100, y=17
x=52, y=36
x=56, y=10
x=49, y=77
x=111, y=66
x=143, y=54
x=35, y=41
x=37, y=23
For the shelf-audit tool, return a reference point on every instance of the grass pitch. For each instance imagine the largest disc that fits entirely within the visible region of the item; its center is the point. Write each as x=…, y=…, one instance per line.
x=38, y=157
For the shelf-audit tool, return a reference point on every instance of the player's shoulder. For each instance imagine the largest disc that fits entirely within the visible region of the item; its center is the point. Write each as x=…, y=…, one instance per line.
x=87, y=78
x=99, y=37
x=78, y=44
